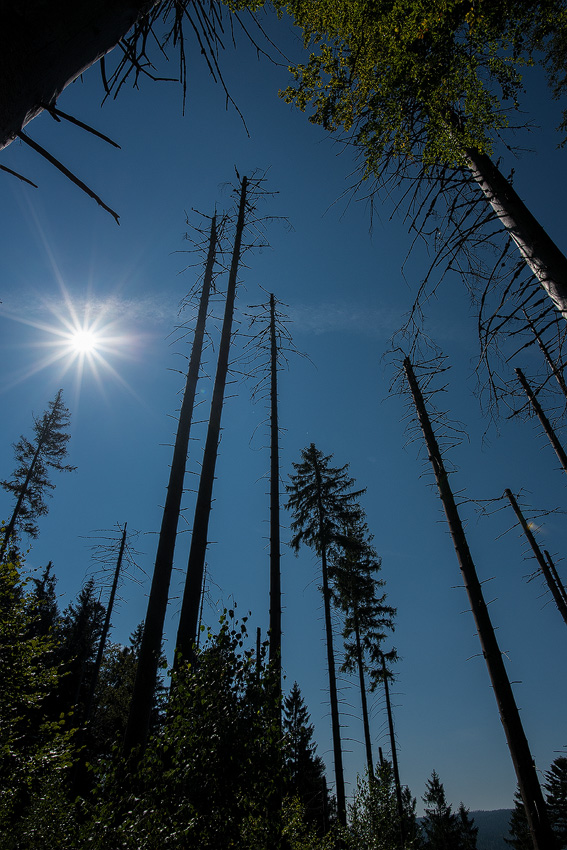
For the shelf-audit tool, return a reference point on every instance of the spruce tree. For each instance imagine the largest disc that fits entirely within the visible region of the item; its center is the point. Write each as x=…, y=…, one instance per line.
x=45, y=601
x=440, y=826
x=358, y=593
x=467, y=830
x=30, y=480
x=519, y=831
x=79, y=635
x=304, y=768
x=556, y=797
x=323, y=503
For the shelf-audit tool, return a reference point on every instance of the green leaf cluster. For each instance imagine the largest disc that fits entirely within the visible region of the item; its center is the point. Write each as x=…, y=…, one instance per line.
x=34, y=747
x=411, y=79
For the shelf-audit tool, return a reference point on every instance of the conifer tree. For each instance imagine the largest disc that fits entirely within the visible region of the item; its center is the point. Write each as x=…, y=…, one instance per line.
x=519, y=831
x=468, y=832
x=45, y=602
x=79, y=635
x=30, y=481
x=304, y=767
x=440, y=826
x=556, y=798
x=358, y=593
x=323, y=503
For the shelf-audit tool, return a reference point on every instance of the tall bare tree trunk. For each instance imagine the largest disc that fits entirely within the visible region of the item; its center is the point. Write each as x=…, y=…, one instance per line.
x=544, y=258
x=534, y=804
x=45, y=46
x=150, y=648
x=555, y=575
x=275, y=555
x=189, y=617
x=547, y=427
x=544, y=566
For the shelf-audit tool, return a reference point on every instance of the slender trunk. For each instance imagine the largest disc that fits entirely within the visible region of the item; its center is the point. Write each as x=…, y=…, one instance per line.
x=536, y=813
x=335, y=721
x=105, y=628
x=188, y=620
x=557, y=373
x=539, y=251
x=364, y=702
x=551, y=435
x=394, y=751
x=275, y=574
x=45, y=46
x=544, y=566
x=78, y=776
x=556, y=576
x=24, y=489
x=150, y=647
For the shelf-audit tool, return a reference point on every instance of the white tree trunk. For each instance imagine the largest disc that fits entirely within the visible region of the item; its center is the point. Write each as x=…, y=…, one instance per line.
x=539, y=251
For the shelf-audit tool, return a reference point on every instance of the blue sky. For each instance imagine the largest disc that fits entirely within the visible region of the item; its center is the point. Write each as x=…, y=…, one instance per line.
x=346, y=295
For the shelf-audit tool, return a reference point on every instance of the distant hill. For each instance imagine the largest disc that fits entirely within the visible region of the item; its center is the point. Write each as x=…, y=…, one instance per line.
x=493, y=827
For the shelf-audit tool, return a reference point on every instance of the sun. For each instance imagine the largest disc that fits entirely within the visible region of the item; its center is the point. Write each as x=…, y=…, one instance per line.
x=84, y=341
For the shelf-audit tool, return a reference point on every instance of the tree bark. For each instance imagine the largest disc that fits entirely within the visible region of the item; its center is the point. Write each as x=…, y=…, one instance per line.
x=150, y=648
x=189, y=617
x=394, y=750
x=44, y=46
x=534, y=804
x=544, y=258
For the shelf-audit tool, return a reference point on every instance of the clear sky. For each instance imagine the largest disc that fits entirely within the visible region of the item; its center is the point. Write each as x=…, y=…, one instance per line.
x=63, y=256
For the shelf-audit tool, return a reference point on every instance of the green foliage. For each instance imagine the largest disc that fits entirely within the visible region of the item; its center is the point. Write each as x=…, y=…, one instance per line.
x=374, y=822
x=210, y=776
x=33, y=748
x=414, y=79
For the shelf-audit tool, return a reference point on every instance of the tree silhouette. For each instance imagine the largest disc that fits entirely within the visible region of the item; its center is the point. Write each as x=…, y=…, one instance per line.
x=556, y=798
x=150, y=650
x=322, y=502
x=30, y=480
x=304, y=767
x=358, y=593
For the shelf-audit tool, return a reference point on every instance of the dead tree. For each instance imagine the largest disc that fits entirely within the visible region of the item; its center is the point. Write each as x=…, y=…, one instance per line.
x=550, y=574
x=150, y=648
x=188, y=620
x=546, y=424
x=275, y=553
x=540, y=830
